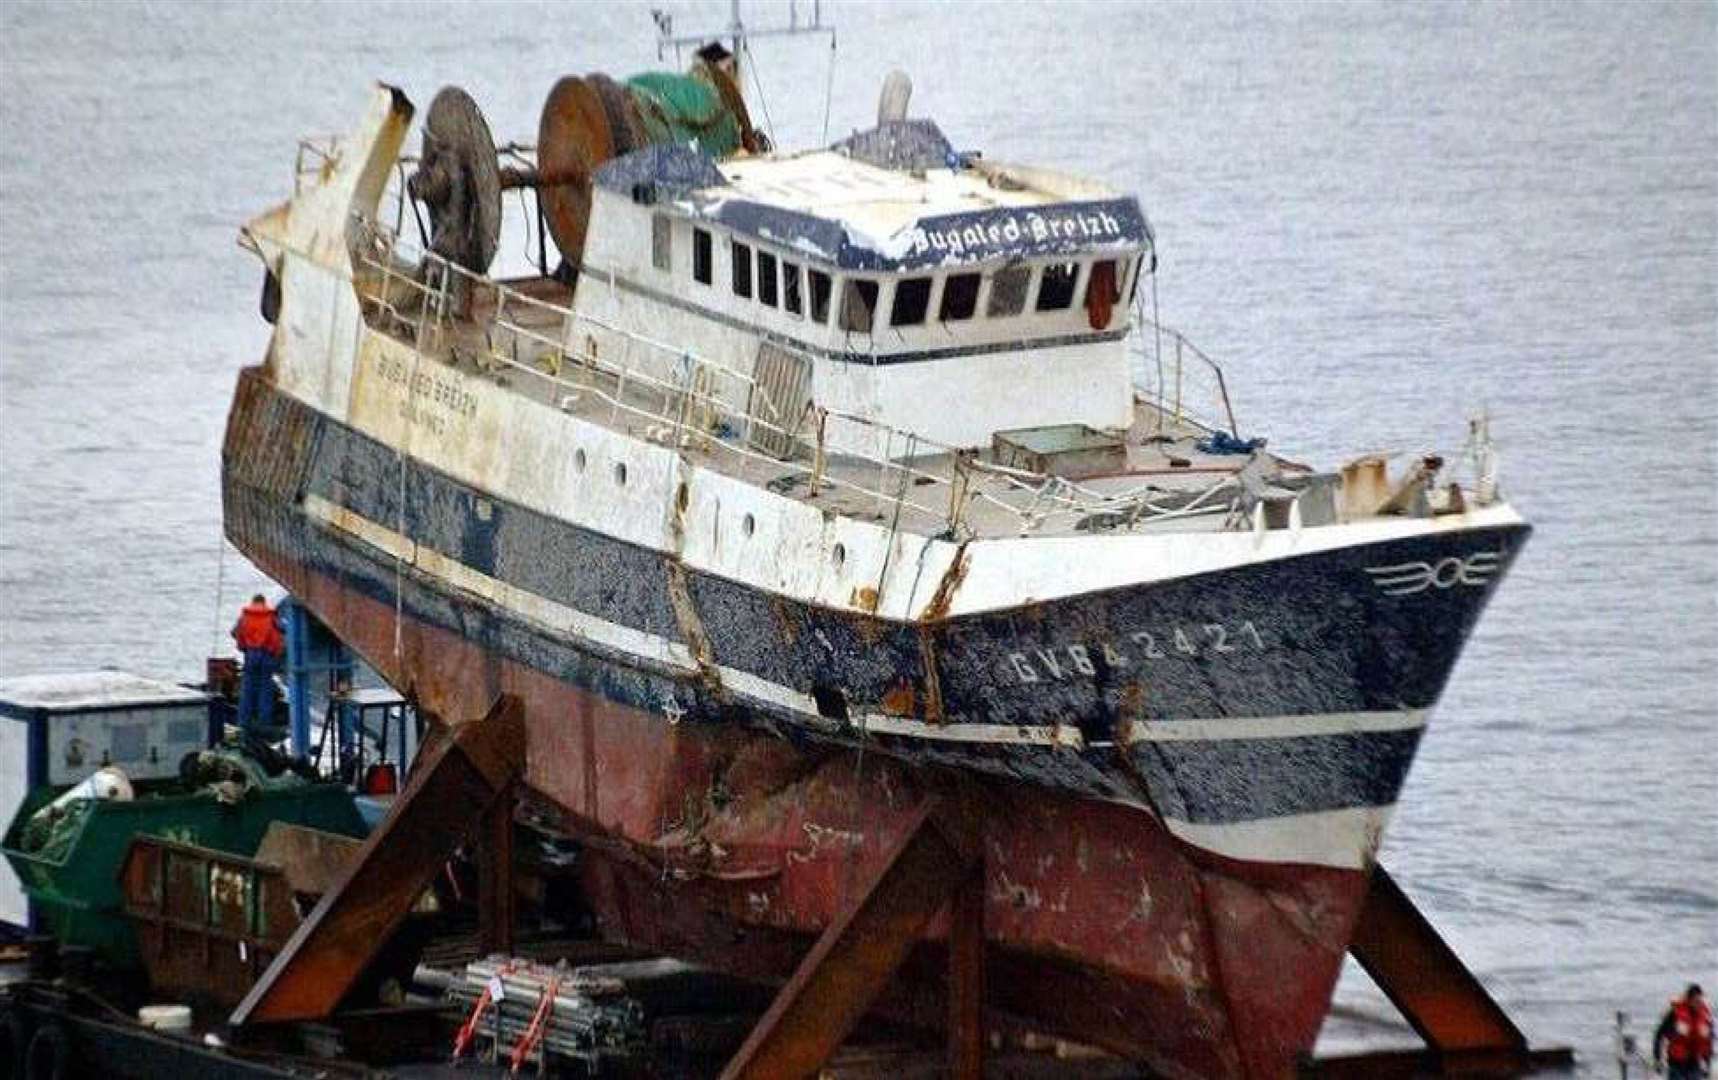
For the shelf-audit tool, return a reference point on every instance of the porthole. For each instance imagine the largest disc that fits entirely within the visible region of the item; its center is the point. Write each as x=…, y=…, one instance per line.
x=620, y=473
x=748, y=525
x=840, y=554
x=579, y=459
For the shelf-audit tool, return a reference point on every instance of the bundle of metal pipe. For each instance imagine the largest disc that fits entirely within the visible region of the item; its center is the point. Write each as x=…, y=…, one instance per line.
x=589, y=1017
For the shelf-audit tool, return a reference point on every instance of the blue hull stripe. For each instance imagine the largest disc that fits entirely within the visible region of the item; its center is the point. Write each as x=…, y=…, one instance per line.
x=1294, y=637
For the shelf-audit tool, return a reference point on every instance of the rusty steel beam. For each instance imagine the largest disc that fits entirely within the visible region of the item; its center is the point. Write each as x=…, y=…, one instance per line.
x=1467, y=1033
x=454, y=782
x=863, y=945
x=495, y=896
x=966, y=980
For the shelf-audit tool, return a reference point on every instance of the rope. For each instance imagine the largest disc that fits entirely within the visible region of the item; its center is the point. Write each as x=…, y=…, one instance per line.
x=400, y=453
x=220, y=586
x=895, y=524
x=525, y=217
x=468, y=1030
x=539, y=1022
x=1157, y=332
x=752, y=66
x=828, y=90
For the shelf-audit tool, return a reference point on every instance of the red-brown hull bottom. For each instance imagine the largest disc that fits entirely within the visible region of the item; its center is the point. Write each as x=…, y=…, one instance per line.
x=735, y=848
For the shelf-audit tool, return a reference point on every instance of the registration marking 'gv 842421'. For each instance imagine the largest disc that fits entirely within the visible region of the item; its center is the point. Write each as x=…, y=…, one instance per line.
x=1084, y=660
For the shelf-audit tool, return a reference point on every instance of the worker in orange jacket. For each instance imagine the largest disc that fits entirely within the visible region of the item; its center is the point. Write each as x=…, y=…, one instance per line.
x=1684, y=1037
x=259, y=638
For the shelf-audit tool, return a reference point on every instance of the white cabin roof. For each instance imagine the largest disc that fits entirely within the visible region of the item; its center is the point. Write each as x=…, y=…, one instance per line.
x=868, y=199
x=91, y=690
x=897, y=197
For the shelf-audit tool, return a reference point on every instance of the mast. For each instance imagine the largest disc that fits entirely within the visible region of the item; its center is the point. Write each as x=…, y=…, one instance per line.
x=737, y=33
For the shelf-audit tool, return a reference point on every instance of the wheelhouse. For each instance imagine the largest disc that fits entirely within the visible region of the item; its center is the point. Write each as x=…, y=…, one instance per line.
x=931, y=292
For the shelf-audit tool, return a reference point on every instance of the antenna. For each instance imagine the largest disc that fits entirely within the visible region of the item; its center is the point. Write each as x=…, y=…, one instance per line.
x=736, y=31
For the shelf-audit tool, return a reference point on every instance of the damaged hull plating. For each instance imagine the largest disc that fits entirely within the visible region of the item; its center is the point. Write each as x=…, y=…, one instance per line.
x=708, y=840
x=1185, y=741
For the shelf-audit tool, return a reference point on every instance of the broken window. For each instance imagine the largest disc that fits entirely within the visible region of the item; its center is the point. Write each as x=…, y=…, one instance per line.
x=743, y=270
x=701, y=257
x=661, y=241
x=766, y=278
x=1057, y=289
x=821, y=287
x=858, y=304
x=1008, y=291
x=790, y=295
x=912, y=299
x=960, y=297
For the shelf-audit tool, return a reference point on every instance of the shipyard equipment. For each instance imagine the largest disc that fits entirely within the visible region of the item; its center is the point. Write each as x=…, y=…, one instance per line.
x=68, y=854
x=57, y=730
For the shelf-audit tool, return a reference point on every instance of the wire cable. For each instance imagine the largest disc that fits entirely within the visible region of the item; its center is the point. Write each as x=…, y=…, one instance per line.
x=828, y=90
x=763, y=101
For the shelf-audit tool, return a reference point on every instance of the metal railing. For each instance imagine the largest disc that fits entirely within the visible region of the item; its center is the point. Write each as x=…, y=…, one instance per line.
x=687, y=400
x=1186, y=384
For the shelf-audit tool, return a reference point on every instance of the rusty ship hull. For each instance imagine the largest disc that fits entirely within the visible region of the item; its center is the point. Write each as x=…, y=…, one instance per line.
x=707, y=836
x=755, y=634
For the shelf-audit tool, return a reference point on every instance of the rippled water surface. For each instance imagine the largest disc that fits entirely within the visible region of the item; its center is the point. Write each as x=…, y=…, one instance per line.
x=1381, y=219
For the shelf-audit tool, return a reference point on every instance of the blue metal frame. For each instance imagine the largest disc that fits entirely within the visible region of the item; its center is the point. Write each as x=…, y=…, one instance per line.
x=311, y=649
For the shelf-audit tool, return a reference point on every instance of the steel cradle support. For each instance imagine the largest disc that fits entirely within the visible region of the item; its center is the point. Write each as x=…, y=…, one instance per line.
x=1466, y=1031
x=934, y=863
x=459, y=786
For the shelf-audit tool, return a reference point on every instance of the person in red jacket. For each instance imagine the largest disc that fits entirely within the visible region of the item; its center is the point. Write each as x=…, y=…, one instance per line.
x=259, y=638
x=1684, y=1037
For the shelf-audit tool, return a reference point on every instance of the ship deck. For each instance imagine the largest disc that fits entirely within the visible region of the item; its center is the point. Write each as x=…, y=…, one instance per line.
x=1159, y=480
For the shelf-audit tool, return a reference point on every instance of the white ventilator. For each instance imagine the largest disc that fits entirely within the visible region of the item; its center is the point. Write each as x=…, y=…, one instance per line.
x=892, y=102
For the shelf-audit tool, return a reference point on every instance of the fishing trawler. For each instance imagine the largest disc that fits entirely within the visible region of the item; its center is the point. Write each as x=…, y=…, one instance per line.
x=809, y=484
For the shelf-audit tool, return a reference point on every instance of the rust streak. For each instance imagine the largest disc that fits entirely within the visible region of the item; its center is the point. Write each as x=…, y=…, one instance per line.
x=899, y=699
x=943, y=598
x=691, y=626
x=933, y=683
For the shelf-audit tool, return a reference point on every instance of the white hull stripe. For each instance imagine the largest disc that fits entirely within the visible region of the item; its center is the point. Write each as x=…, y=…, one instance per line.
x=1274, y=727
x=1347, y=839
x=1344, y=839
x=1030, y=734
x=677, y=656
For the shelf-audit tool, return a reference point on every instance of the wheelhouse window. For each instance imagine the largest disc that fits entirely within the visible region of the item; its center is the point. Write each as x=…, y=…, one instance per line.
x=1103, y=289
x=960, y=297
x=743, y=270
x=821, y=288
x=701, y=256
x=1056, y=291
x=661, y=241
x=766, y=278
x=912, y=300
x=791, y=298
x=1134, y=269
x=858, y=304
x=1008, y=291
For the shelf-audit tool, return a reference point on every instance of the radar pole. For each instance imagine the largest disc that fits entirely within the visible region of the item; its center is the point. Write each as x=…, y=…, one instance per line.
x=737, y=33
